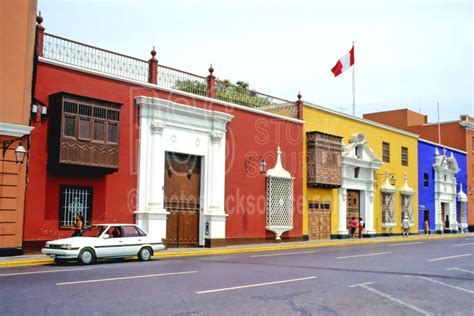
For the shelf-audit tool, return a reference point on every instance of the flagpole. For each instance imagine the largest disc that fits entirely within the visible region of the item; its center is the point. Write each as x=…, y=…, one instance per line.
x=353, y=89
x=439, y=127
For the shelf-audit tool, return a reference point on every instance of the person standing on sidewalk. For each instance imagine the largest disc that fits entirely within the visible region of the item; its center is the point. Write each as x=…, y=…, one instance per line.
x=427, y=227
x=406, y=227
x=353, y=226
x=361, y=226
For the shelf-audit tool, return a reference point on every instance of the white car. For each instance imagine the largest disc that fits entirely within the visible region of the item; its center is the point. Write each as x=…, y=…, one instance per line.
x=105, y=241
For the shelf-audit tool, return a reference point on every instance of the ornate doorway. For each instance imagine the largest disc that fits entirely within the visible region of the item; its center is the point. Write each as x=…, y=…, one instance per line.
x=182, y=199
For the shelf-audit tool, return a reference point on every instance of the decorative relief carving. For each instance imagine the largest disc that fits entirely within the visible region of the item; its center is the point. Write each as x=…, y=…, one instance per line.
x=216, y=136
x=157, y=126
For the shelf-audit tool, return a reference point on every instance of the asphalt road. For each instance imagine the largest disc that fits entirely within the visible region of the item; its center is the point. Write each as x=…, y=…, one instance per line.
x=431, y=277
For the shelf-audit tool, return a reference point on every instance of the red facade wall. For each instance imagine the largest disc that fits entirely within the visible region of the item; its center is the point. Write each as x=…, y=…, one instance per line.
x=114, y=194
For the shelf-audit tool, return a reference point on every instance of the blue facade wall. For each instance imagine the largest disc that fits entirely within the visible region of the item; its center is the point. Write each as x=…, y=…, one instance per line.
x=426, y=194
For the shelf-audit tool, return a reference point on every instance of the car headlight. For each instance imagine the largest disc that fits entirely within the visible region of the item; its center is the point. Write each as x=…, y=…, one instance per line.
x=66, y=246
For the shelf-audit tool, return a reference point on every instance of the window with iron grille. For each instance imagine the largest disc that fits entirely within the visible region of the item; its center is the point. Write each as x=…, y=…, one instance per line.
x=407, y=207
x=385, y=152
x=404, y=156
x=388, y=208
x=74, y=201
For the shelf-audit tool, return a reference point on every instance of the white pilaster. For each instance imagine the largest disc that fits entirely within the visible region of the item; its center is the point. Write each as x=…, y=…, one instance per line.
x=342, y=227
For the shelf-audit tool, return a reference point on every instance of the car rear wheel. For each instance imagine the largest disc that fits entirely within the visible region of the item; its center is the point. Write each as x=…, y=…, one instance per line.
x=86, y=256
x=144, y=254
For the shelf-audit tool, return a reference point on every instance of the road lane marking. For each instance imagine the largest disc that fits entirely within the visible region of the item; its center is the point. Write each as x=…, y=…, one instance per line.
x=463, y=270
x=459, y=245
x=445, y=284
x=283, y=254
x=366, y=255
x=450, y=257
x=390, y=297
x=44, y=271
x=406, y=243
x=126, y=278
x=255, y=285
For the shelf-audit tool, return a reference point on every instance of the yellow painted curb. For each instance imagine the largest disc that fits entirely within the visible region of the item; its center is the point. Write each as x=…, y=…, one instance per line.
x=25, y=263
x=301, y=246
x=333, y=243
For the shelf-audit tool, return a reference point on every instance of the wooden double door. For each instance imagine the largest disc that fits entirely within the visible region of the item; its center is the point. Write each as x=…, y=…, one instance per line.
x=182, y=199
x=319, y=220
x=353, y=208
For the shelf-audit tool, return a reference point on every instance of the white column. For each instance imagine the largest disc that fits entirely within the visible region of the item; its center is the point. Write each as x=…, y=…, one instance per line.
x=156, y=167
x=453, y=221
x=153, y=216
x=342, y=230
x=369, y=220
x=214, y=213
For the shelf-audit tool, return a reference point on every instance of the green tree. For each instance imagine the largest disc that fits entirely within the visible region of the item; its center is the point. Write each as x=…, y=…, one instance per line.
x=226, y=91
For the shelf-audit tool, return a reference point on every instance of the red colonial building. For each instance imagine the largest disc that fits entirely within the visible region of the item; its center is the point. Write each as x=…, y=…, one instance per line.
x=193, y=159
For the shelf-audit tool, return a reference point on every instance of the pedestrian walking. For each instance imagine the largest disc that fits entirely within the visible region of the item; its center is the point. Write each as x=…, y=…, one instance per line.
x=427, y=227
x=406, y=227
x=353, y=226
x=79, y=226
x=361, y=226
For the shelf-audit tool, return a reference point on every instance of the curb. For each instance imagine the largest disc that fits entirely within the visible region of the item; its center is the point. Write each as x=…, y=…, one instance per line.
x=176, y=254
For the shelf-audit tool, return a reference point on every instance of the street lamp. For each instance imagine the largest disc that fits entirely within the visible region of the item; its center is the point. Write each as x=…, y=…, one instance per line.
x=252, y=161
x=20, y=151
x=262, y=166
x=20, y=154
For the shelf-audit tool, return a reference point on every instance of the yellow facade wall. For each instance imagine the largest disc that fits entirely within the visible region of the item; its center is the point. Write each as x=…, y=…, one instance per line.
x=329, y=122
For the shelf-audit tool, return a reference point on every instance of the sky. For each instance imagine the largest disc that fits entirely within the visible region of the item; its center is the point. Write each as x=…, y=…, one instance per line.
x=408, y=53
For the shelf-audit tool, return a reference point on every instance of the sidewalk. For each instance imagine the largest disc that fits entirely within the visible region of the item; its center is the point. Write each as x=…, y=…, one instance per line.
x=184, y=252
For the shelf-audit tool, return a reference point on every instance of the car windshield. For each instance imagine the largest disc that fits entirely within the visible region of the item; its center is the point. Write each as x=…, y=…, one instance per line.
x=93, y=231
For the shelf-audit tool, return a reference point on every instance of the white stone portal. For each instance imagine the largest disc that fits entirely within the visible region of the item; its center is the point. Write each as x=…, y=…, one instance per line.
x=168, y=126
x=358, y=166
x=445, y=169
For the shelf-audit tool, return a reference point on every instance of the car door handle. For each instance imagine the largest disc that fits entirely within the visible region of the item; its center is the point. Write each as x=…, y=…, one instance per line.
x=120, y=241
x=139, y=240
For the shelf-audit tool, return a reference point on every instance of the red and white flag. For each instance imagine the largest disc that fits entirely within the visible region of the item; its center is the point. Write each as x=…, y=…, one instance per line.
x=344, y=63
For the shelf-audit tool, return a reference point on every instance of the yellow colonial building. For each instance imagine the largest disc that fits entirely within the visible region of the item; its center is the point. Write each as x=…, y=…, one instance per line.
x=356, y=168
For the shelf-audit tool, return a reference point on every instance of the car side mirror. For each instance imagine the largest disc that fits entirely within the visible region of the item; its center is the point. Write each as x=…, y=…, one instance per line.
x=106, y=236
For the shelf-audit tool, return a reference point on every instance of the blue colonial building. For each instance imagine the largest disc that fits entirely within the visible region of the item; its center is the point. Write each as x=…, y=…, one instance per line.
x=442, y=182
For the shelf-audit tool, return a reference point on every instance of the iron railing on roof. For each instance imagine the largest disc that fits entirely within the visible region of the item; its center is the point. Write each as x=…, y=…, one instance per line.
x=90, y=57
x=172, y=78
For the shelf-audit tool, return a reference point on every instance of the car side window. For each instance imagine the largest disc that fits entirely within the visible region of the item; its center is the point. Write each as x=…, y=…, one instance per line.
x=114, y=232
x=130, y=231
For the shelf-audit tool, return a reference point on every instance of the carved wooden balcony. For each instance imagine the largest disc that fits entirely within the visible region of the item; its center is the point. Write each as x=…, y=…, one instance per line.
x=83, y=134
x=323, y=159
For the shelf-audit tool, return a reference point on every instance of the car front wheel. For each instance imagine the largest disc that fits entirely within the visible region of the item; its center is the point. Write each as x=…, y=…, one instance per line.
x=144, y=254
x=86, y=256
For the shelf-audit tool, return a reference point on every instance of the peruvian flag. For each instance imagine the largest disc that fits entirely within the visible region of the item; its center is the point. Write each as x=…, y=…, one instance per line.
x=344, y=63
